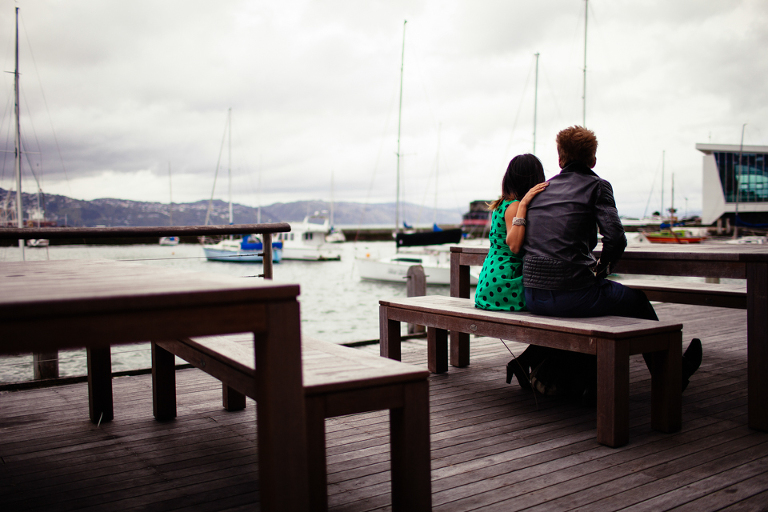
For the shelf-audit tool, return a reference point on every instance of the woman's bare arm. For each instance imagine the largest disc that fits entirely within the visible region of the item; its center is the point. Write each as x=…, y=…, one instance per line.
x=516, y=233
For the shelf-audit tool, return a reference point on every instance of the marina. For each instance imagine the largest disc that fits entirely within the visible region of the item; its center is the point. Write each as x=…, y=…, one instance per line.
x=326, y=365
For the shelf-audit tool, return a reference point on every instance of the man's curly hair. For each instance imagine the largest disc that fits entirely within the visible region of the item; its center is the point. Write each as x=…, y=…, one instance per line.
x=576, y=144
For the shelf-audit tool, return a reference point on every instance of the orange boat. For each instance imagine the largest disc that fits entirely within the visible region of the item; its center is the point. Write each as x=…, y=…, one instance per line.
x=668, y=236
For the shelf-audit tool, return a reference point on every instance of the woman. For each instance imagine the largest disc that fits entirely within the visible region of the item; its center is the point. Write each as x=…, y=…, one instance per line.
x=500, y=286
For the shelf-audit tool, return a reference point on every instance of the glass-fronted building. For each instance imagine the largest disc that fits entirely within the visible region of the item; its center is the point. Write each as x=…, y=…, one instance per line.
x=734, y=182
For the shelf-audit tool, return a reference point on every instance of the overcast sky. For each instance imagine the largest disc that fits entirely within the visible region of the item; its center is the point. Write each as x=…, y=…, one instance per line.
x=115, y=92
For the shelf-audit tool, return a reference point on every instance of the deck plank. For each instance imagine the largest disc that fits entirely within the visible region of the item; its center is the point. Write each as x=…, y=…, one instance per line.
x=494, y=446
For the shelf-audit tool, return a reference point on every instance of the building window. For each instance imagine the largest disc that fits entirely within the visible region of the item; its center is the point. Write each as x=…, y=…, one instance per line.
x=743, y=176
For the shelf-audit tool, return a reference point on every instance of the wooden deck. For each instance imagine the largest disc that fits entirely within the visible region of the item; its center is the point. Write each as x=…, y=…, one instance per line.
x=494, y=446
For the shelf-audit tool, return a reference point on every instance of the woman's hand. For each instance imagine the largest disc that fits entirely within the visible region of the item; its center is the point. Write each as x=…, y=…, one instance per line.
x=535, y=190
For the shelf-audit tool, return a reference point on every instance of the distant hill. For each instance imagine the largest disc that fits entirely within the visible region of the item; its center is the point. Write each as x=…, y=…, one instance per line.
x=66, y=211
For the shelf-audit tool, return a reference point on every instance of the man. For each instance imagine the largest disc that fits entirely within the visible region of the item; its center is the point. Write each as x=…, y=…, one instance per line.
x=560, y=273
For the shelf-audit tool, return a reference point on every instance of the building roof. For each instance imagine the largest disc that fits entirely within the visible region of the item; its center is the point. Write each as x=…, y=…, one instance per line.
x=731, y=148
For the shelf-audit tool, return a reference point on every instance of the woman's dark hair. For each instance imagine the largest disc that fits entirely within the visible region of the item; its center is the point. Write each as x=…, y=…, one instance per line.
x=523, y=172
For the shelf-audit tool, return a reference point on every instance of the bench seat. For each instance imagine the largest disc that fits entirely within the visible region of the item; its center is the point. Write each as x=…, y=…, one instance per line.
x=612, y=339
x=694, y=293
x=338, y=380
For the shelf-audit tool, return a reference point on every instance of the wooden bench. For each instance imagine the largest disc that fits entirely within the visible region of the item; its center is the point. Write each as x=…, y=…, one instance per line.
x=611, y=339
x=338, y=380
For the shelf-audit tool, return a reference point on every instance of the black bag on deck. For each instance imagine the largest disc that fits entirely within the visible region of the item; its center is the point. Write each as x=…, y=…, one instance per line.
x=564, y=373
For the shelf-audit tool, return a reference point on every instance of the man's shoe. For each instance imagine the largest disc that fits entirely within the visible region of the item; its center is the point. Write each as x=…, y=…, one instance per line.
x=691, y=360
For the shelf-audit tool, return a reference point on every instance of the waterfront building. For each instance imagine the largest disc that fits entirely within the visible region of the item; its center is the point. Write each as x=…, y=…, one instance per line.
x=734, y=183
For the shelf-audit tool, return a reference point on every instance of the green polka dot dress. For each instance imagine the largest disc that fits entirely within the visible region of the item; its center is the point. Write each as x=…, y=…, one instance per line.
x=500, y=287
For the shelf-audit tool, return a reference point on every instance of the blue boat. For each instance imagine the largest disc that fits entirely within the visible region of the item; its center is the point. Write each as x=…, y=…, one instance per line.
x=248, y=249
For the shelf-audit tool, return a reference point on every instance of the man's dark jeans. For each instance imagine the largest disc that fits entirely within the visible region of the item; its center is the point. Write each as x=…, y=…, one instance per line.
x=603, y=298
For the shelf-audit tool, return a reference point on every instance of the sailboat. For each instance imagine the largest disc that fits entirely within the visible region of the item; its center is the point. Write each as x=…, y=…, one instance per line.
x=248, y=249
x=17, y=136
x=433, y=256
x=670, y=231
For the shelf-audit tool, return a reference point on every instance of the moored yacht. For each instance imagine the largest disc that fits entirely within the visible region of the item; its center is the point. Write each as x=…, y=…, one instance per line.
x=307, y=240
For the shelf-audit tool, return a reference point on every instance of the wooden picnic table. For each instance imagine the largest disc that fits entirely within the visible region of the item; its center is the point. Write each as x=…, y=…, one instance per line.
x=51, y=305
x=734, y=261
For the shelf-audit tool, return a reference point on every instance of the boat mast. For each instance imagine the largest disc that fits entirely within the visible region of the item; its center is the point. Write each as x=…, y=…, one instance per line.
x=330, y=219
x=19, y=209
x=258, y=214
x=738, y=188
x=535, y=101
x=437, y=172
x=229, y=170
x=584, y=96
x=661, y=210
x=672, y=210
x=170, y=196
x=399, y=119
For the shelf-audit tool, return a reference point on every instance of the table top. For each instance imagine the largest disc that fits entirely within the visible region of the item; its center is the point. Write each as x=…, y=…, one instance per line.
x=703, y=252
x=66, y=287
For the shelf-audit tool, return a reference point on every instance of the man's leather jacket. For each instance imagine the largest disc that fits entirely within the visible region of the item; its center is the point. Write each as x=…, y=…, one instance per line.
x=561, y=231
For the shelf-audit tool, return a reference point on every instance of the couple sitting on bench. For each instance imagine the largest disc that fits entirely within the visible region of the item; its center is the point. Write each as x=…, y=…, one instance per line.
x=542, y=236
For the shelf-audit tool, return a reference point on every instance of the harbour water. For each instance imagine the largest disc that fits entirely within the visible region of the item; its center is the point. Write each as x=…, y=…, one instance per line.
x=336, y=305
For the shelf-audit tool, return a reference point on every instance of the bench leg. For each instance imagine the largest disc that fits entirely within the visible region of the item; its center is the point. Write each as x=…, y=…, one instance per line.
x=409, y=427
x=613, y=392
x=99, y=363
x=163, y=383
x=231, y=399
x=389, y=336
x=459, y=349
x=318, y=476
x=666, y=396
x=437, y=350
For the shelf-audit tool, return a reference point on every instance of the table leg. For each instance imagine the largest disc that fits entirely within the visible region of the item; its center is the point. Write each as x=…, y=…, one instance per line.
x=757, y=344
x=389, y=336
x=460, y=287
x=612, y=392
x=409, y=425
x=163, y=383
x=99, y=362
x=318, y=473
x=437, y=350
x=281, y=418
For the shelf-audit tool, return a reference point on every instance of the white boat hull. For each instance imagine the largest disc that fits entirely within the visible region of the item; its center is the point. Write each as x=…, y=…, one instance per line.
x=169, y=240
x=309, y=253
x=37, y=242
x=395, y=269
x=230, y=251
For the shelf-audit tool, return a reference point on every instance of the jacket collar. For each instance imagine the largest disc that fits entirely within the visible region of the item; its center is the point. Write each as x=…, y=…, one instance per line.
x=577, y=167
